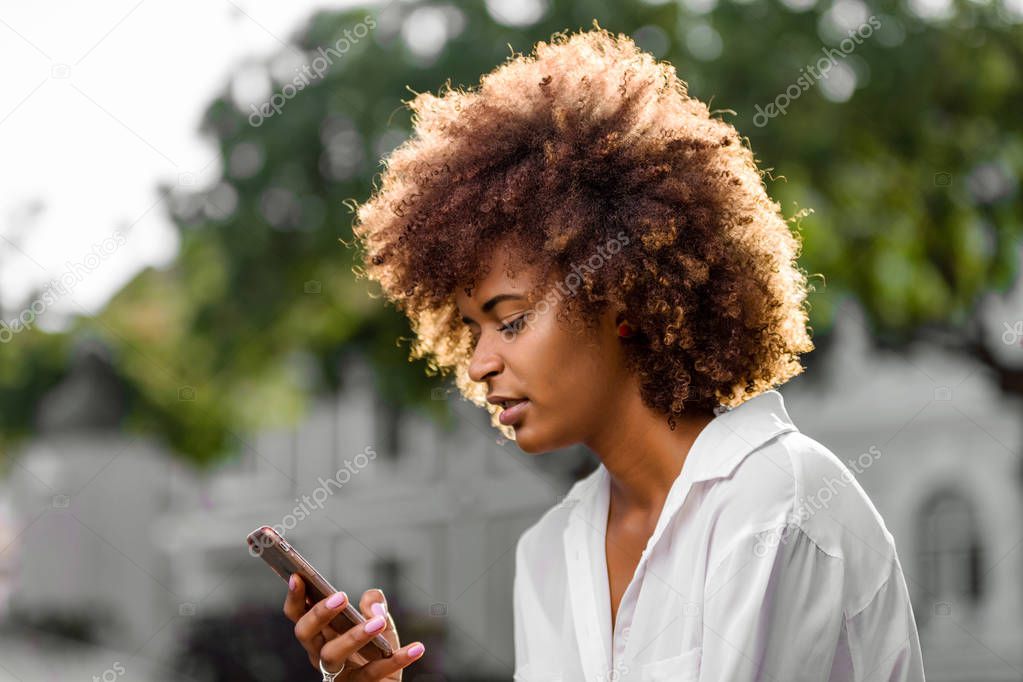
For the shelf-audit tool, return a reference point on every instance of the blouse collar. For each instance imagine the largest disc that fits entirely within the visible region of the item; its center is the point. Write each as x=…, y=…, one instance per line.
x=715, y=453
x=721, y=445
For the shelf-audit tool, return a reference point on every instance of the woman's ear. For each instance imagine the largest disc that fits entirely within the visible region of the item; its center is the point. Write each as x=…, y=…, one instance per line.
x=625, y=330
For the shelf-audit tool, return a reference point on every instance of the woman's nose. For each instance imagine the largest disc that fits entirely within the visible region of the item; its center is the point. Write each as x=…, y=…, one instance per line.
x=484, y=362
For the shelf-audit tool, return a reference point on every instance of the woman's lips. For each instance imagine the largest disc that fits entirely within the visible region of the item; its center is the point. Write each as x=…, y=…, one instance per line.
x=511, y=415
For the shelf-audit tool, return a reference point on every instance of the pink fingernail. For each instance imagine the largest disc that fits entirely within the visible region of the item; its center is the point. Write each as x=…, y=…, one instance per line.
x=378, y=608
x=292, y=583
x=335, y=600
x=374, y=624
x=415, y=650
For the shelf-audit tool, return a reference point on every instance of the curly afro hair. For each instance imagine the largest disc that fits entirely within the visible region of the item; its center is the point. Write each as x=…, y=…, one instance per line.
x=585, y=142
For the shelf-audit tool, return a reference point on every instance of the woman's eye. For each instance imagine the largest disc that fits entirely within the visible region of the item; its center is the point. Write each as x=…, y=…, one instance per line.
x=515, y=326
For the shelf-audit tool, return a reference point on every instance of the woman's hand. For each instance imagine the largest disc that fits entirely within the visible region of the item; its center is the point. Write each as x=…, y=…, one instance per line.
x=322, y=642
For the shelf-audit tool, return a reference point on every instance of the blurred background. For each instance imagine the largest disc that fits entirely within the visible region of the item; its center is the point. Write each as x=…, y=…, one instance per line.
x=186, y=355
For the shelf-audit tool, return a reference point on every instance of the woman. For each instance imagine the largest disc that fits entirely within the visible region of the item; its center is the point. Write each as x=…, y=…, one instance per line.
x=595, y=259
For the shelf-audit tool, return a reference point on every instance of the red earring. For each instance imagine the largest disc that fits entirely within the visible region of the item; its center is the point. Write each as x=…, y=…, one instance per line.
x=624, y=330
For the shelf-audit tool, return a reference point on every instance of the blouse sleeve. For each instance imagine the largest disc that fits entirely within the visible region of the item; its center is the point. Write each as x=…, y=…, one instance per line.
x=773, y=610
x=885, y=644
x=527, y=616
x=538, y=646
x=518, y=610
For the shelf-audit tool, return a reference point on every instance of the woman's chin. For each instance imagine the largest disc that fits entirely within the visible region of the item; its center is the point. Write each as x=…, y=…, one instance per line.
x=528, y=442
x=534, y=443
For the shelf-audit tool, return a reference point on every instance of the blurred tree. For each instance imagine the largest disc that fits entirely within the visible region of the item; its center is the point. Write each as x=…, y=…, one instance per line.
x=909, y=153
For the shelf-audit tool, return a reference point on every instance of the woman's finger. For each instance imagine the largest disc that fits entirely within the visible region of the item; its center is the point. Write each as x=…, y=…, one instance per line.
x=310, y=627
x=294, y=603
x=295, y=607
x=370, y=597
x=374, y=603
x=318, y=618
x=381, y=668
x=338, y=650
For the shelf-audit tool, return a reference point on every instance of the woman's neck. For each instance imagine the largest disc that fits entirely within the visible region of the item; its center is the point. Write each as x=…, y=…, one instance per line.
x=642, y=454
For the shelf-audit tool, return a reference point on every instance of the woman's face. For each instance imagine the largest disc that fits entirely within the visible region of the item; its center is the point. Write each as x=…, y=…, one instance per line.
x=567, y=378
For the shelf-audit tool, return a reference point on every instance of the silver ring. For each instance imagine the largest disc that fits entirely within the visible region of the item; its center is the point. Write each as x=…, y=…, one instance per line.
x=329, y=676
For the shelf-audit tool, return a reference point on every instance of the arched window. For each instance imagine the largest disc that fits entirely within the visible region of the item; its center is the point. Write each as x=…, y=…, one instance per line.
x=950, y=555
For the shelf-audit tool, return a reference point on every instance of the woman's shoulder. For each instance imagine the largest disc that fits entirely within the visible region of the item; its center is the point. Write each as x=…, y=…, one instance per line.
x=795, y=481
x=798, y=486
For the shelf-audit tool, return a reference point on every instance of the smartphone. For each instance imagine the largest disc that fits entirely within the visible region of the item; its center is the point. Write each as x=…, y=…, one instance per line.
x=284, y=559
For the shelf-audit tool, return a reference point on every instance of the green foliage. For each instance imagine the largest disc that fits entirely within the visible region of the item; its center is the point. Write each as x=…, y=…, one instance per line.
x=912, y=181
x=31, y=363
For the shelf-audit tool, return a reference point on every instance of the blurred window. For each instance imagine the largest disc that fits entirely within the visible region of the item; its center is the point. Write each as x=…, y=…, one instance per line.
x=950, y=555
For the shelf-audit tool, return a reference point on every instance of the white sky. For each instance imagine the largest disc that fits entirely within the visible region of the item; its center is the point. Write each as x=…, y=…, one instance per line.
x=99, y=103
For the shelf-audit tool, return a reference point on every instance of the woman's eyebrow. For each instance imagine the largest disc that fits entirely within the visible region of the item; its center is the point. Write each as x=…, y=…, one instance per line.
x=488, y=306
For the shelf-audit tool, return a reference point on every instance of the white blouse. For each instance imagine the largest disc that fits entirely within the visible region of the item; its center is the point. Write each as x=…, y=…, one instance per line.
x=768, y=562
